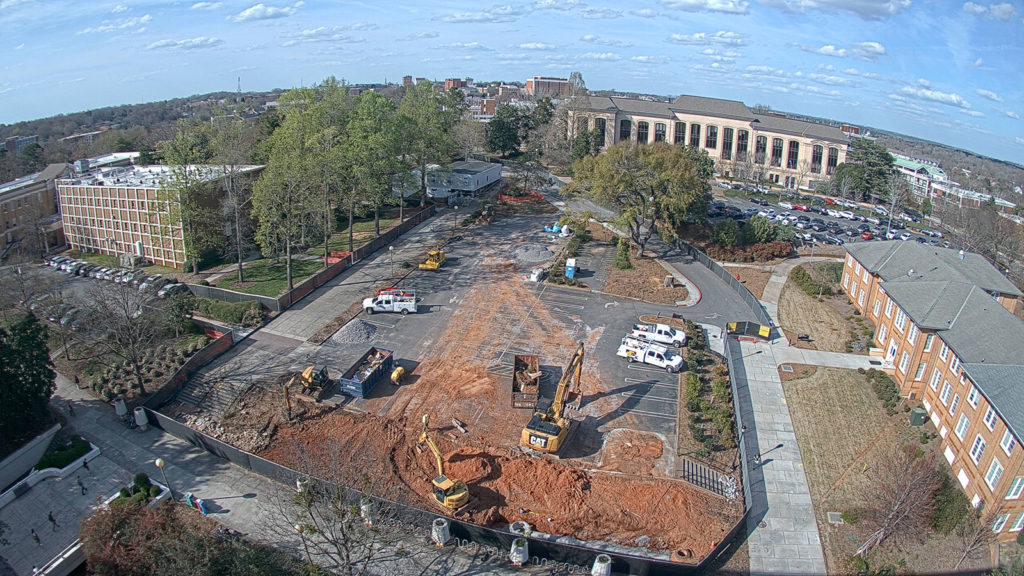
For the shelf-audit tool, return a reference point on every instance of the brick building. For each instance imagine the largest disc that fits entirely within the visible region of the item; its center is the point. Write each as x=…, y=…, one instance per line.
x=541, y=86
x=945, y=324
x=28, y=209
x=129, y=210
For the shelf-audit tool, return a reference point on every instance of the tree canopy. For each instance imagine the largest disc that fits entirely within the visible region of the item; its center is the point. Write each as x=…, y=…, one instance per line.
x=877, y=163
x=26, y=380
x=650, y=188
x=504, y=131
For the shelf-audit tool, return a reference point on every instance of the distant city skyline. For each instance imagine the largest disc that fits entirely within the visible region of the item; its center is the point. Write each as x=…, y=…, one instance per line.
x=947, y=71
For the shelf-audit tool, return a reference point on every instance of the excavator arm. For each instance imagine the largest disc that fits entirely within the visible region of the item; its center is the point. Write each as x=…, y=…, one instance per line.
x=572, y=375
x=426, y=439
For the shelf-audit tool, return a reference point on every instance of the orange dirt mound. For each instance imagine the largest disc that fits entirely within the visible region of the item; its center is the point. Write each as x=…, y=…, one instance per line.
x=632, y=452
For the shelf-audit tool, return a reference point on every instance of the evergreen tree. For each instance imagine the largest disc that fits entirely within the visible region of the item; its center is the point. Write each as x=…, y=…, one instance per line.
x=26, y=379
x=503, y=131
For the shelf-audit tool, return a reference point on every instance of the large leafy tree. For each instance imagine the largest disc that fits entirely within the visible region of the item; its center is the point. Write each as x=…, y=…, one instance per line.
x=504, y=131
x=372, y=149
x=650, y=188
x=232, y=142
x=425, y=120
x=26, y=379
x=326, y=160
x=877, y=163
x=185, y=191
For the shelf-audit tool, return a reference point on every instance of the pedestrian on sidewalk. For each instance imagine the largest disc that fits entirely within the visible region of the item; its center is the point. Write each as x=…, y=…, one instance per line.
x=78, y=383
x=35, y=537
x=757, y=459
x=78, y=479
x=71, y=409
x=52, y=520
x=85, y=464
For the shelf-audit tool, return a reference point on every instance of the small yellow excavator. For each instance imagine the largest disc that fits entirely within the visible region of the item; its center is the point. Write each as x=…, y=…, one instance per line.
x=548, y=428
x=435, y=258
x=451, y=494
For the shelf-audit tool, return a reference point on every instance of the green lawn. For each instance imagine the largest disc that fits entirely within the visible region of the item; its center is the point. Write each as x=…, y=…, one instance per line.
x=366, y=226
x=94, y=258
x=338, y=243
x=362, y=231
x=267, y=277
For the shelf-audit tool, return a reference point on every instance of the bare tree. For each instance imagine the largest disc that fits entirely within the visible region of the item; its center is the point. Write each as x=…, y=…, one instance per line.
x=845, y=188
x=896, y=187
x=802, y=171
x=899, y=496
x=975, y=534
x=469, y=135
x=124, y=324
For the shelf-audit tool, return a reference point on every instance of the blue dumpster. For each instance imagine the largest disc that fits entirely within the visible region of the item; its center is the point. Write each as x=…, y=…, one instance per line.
x=570, y=268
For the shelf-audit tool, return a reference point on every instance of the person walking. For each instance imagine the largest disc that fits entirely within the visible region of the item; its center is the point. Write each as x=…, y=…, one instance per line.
x=77, y=382
x=78, y=479
x=757, y=459
x=71, y=409
x=35, y=537
x=85, y=464
x=53, y=521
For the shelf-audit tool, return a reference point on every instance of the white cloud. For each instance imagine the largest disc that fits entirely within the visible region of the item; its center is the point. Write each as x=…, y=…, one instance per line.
x=649, y=59
x=465, y=46
x=830, y=50
x=868, y=50
x=978, y=62
x=561, y=5
x=334, y=34
x=727, y=6
x=974, y=113
x=600, y=13
x=924, y=83
x=827, y=67
x=1012, y=114
x=704, y=39
x=866, y=9
x=19, y=46
x=595, y=39
x=419, y=36
x=762, y=69
x=207, y=6
x=1003, y=11
x=645, y=13
x=263, y=12
x=536, y=46
x=601, y=56
x=948, y=98
x=1019, y=140
x=829, y=79
x=989, y=95
x=855, y=72
x=197, y=43
x=119, y=8
x=137, y=22
x=495, y=14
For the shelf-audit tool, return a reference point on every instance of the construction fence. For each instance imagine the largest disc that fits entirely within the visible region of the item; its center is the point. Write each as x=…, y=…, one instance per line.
x=567, y=557
x=174, y=384
x=752, y=302
x=317, y=280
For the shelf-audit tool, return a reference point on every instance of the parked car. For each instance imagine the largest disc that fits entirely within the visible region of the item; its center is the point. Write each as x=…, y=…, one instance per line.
x=873, y=220
x=905, y=236
x=724, y=185
x=866, y=234
x=881, y=211
x=172, y=290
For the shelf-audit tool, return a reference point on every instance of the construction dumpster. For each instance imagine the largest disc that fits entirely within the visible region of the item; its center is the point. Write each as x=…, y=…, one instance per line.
x=525, y=382
x=362, y=376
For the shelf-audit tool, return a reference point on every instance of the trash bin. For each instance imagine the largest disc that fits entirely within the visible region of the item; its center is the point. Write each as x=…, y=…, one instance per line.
x=918, y=417
x=570, y=268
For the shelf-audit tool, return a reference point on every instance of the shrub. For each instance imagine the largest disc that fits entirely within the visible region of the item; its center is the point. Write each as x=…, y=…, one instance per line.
x=233, y=313
x=622, y=261
x=692, y=393
x=709, y=444
x=809, y=285
x=851, y=516
x=61, y=453
x=154, y=491
x=720, y=389
x=142, y=481
x=885, y=389
x=952, y=508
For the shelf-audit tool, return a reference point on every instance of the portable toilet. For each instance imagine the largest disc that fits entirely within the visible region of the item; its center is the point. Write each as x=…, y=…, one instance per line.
x=570, y=268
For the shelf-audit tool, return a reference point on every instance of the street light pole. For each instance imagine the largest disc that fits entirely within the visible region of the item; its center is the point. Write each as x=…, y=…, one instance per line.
x=391, y=258
x=160, y=464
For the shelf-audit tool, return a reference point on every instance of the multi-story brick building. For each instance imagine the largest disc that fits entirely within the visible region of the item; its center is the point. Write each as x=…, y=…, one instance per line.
x=541, y=86
x=28, y=209
x=945, y=324
x=743, y=143
x=129, y=211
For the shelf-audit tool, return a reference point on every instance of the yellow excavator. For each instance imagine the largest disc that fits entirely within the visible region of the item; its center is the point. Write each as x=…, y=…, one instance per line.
x=548, y=427
x=435, y=258
x=452, y=494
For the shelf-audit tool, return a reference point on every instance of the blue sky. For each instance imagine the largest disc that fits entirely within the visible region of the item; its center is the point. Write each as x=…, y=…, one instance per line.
x=949, y=71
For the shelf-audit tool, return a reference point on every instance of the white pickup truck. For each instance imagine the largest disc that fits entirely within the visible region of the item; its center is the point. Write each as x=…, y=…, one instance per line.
x=637, y=350
x=391, y=301
x=659, y=333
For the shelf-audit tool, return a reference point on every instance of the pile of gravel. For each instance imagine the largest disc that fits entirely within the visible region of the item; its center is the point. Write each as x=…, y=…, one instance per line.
x=533, y=253
x=355, y=332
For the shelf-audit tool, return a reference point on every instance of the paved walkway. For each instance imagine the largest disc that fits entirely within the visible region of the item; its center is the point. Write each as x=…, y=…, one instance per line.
x=783, y=535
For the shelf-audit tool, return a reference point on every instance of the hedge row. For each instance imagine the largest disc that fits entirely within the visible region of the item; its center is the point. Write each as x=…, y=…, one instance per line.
x=760, y=252
x=63, y=453
x=248, y=313
x=808, y=284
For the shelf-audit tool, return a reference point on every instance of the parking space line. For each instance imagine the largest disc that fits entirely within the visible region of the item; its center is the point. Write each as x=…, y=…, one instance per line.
x=624, y=411
x=653, y=383
x=562, y=303
x=381, y=324
x=642, y=368
x=647, y=397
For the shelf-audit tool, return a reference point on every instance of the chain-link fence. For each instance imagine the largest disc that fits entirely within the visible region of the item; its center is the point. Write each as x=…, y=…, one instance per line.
x=751, y=301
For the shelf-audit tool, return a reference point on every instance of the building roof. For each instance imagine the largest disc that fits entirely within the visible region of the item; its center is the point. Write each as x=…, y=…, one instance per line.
x=793, y=127
x=146, y=176
x=631, y=106
x=918, y=166
x=52, y=171
x=1001, y=385
x=472, y=166
x=712, y=107
x=896, y=260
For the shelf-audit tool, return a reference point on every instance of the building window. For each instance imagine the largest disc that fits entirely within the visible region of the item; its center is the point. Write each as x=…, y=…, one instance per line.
x=760, y=149
x=954, y=364
x=853, y=291
x=1007, y=443
x=680, y=133
x=995, y=470
x=776, y=152
x=711, y=138
x=1018, y=524
x=972, y=397
x=600, y=125
x=1016, y=488
x=860, y=299
x=978, y=448
x=833, y=161
x=901, y=320
x=913, y=333
x=846, y=281
x=888, y=308
x=659, y=131
x=794, y=154
x=1000, y=522
x=944, y=352
x=625, y=129
x=946, y=391
x=695, y=135
x=990, y=418
x=920, y=371
x=641, y=132
x=954, y=404
x=726, y=143
x=928, y=342
x=816, y=154
x=742, y=140
x=904, y=361
x=878, y=306
x=961, y=426
x=883, y=331
x=864, y=275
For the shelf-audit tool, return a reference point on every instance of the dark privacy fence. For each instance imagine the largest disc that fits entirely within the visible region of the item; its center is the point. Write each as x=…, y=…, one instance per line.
x=753, y=303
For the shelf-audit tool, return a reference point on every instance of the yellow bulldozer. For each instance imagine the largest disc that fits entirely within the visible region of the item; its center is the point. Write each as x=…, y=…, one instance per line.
x=435, y=258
